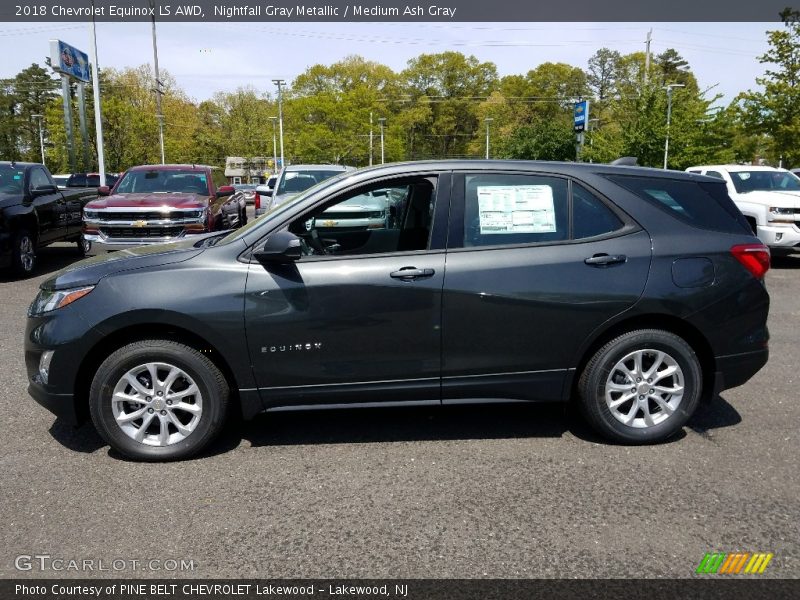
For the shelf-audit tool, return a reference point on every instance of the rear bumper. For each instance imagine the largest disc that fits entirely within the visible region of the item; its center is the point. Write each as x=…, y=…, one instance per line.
x=737, y=369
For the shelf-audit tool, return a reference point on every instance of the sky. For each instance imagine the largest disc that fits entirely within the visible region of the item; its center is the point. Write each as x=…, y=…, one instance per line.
x=206, y=58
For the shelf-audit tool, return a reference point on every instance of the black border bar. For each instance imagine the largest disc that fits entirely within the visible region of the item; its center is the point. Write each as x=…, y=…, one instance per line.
x=342, y=11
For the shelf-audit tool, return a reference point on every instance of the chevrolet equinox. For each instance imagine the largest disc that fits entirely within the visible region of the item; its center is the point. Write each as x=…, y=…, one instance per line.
x=635, y=292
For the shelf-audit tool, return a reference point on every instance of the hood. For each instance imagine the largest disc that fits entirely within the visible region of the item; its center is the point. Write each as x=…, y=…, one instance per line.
x=91, y=270
x=7, y=200
x=281, y=199
x=154, y=200
x=772, y=198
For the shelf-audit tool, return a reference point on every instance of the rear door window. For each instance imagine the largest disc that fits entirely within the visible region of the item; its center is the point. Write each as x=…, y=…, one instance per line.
x=703, y=205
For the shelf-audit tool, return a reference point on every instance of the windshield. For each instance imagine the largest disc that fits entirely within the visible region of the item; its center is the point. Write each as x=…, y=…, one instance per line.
x=163, y=181
x=277, y=211
x=294, y=182
x=10, y=179
x=756, y=181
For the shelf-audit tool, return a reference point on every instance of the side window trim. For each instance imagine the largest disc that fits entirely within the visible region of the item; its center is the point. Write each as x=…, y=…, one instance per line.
x=458, y=208
x=439, y=224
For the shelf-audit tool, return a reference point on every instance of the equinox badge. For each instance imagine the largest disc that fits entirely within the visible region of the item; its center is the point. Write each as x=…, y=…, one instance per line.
x=292, y=347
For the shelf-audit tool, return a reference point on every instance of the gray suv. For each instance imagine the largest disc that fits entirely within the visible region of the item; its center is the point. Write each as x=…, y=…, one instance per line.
x=635, y=293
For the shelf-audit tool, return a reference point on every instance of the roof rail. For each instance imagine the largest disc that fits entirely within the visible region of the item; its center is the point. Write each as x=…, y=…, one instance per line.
x=626, y=161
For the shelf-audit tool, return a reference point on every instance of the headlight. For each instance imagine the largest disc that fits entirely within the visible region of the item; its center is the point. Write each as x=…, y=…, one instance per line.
x=785, y=215
x=89, y=214
x=200, y=215
x=48, y=300
x=377, y=214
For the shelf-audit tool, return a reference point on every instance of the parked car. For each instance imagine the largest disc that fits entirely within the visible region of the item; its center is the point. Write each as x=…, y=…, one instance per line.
x=262, y=196
x=82, y=180
x=769, y=198
x=635, y=292
x=248, y=190
x=153, y=204
x=35, y=213
x=61, y=180
x=294, y=179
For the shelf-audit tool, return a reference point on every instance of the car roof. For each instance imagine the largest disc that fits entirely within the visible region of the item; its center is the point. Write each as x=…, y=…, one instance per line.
x=318, y=167
x=169, y=168
x=553, y=167
x=22, y=165
x=736, y=168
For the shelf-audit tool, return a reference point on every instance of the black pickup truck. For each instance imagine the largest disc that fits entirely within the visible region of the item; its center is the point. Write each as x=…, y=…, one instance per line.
x=35, y=213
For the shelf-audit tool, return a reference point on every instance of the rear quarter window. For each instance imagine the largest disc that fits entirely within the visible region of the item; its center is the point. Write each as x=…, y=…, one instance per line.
x=702, y=204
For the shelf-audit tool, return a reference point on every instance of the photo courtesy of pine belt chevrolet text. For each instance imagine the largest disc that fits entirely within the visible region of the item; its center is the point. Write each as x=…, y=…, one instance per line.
x=635, y=293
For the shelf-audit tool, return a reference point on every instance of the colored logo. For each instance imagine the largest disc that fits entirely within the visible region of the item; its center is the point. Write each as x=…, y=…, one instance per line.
x=735, y=563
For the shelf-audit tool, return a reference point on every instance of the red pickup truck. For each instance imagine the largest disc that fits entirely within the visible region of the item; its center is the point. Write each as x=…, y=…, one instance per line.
x=154, y=204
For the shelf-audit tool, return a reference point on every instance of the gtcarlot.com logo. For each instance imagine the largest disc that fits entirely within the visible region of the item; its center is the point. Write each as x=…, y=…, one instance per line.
x=734, y=563
x=46, y=562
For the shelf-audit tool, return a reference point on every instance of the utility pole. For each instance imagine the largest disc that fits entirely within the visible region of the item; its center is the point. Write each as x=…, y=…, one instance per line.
x=382, y=121
x=98, y=121
x=274, y=145
x=158, y=90
x=370, y=138
x=41, y=134
x=647, y=56
x=487, y=120
x=279, y=83
x=669, y=89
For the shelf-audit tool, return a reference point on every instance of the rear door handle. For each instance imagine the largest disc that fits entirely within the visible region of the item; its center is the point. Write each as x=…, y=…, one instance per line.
x=603, y=260
x=411, y=273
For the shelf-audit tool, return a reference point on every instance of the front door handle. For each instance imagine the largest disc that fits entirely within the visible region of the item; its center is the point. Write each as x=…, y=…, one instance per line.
x=411, y=273
x=603, y=260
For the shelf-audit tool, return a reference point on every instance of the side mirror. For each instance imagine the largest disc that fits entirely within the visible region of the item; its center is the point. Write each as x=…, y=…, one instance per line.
x=43, y=190
x=280, y=247
x=103, y=190
x=225, y=190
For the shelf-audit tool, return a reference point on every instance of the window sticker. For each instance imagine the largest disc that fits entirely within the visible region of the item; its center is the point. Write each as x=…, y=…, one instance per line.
x=516, y=209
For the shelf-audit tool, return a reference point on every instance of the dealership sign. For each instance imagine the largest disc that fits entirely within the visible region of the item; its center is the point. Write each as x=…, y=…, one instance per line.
x=69, y=60
x=581, y=115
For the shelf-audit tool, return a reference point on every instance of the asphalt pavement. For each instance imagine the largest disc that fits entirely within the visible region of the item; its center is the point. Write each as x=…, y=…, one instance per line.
x=461, y=492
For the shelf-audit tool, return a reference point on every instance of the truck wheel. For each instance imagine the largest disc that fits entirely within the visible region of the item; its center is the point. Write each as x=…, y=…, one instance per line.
x=84, y=246
x=23, y=253
x=158, y=400
x=641, y=387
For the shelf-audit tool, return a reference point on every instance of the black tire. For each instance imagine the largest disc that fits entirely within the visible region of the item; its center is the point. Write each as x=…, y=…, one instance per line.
x=593, y=380
x=208, y=378
x=23, y=253
x=84, y=246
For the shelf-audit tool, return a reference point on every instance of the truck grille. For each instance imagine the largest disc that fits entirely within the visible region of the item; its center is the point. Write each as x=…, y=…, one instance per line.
x=141, y=232
x=139, y=216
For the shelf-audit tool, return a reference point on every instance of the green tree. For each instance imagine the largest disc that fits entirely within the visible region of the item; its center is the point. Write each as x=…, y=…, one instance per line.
x=773, y=112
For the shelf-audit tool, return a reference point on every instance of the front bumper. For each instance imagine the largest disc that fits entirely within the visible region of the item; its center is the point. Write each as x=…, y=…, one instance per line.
x=61, y=405
x=786, y=236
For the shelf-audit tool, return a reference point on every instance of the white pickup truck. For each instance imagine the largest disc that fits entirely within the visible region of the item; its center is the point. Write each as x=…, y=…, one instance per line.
x=769, y=198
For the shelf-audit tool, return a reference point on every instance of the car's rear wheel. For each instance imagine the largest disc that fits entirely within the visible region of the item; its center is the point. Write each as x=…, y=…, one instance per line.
x=158, y=400
x=641, y=387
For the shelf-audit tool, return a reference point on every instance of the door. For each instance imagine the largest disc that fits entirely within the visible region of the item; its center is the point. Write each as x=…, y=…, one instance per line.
x=535, y=264
x=49, y=206
x=358, y=317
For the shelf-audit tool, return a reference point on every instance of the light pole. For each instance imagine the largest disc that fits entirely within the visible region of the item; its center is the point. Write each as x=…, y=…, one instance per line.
x=382, y=121
x=158, y=90
x=669, y=87
x=98, y=121
x=274, y=144
x=487, y=120
x=279, y=83
x=41, y=134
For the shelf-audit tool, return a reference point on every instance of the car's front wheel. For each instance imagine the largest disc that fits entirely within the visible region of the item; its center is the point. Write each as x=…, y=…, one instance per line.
x=23, y=253
x=641, y=387
x=158, y=400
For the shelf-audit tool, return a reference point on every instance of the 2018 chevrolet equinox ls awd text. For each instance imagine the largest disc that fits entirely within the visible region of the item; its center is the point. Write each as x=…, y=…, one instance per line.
x=634, y=291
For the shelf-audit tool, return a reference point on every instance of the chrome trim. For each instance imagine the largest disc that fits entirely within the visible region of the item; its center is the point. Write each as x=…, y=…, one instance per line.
x=102, y=240
x=317, y=385
x=162, y=208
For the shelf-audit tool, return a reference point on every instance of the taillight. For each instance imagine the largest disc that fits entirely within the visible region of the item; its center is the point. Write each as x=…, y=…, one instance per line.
x=754, y=258
x=257, y=200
